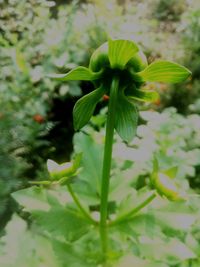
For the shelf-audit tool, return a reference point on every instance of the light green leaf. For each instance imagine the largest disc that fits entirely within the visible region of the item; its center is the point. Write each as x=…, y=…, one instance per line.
x=176, y=216
x=37, y=198
x=79, y=73
x=165, y=71
x=33, y=198
x=126, y=118
x=132, y=260
x=172, y=251
x=20, y=247
x=120, y=52
x=61, y=223
x=175, y=220
x=89, y=182
x=144, y=95
x=68, y=255
x=85, y=107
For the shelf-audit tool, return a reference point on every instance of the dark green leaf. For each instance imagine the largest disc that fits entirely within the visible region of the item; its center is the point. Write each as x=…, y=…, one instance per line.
x=165, y=71
x=85, y=107
x=120, y=52
x=126, y=118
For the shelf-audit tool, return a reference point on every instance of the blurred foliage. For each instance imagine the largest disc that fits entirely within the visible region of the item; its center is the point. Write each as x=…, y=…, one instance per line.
x=164, y=234
x=185, y=96
x=169, y=10
x=31, y=46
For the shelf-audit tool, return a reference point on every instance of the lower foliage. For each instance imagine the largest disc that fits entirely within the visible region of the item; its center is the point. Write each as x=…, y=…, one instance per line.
x=162, y=234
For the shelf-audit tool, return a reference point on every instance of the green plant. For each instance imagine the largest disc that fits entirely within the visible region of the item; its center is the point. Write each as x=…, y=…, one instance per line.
x=118, y=68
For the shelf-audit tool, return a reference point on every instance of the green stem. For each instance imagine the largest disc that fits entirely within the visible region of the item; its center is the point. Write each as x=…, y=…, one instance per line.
x=83, y=211
x=129, y=214
x=107, y=166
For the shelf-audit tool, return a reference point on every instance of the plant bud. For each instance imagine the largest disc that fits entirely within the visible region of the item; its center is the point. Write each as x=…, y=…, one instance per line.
x=58, y=171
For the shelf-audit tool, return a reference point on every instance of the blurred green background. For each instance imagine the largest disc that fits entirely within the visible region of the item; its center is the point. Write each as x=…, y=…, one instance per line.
x=39, y=37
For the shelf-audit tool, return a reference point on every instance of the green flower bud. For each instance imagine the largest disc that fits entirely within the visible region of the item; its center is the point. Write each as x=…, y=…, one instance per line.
x=64, y=170
x=58, y=171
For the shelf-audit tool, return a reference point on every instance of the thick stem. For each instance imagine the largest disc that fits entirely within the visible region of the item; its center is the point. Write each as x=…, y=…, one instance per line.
x=83, y=211
x=129, y=214
x=107, y=166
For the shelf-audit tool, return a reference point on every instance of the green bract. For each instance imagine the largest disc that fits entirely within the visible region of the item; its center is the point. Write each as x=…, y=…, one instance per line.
x=121, y=59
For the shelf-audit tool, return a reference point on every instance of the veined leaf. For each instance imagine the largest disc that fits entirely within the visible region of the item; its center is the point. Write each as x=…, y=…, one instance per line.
x=85, y=107
x=61, y=222
x=126, y=118
x=120, y=52
x=164, y=71
x=69, y=255
x=33, y=198
x=171, y=250
x=131, y=260
x=21, y=247
x=144, y=95
x=79, y=73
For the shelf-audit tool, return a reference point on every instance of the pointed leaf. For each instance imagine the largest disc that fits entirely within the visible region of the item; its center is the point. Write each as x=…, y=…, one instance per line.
x=172, y=250
x=131, y=260
x=70, y=255
x=120, y=52
x=85, y=107
x=144, y=95
x=125, y=119
x=165, y=71
x=61, y=222
x=32, y=198
x=79, y=73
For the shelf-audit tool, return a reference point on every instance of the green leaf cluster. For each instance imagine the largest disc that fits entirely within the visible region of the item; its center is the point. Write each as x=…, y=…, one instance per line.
x=122, y=59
